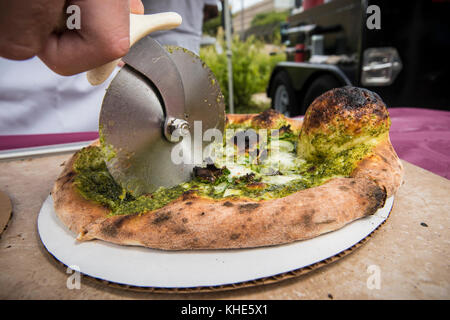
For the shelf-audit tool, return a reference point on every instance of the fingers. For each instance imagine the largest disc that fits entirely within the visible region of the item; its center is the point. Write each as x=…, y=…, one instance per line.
x=103, y=37
x=26, y=30
x=25, y=26
x=136, y=7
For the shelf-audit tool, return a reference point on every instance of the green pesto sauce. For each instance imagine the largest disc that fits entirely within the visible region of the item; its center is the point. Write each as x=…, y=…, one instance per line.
x=94, y=182
x=107, y=150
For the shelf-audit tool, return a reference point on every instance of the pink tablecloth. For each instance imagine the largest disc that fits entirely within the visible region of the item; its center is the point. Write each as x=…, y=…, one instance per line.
x=420, y=136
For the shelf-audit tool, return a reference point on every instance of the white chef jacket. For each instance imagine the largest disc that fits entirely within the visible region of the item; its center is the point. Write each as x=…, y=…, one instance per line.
x=189, y=33
x=35, y=100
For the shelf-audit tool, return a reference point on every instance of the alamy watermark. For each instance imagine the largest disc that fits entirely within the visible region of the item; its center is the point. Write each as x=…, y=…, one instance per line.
x=236, y=146
x=374, y=279
x=74, y=19
x=74, y=280
x=374, y=20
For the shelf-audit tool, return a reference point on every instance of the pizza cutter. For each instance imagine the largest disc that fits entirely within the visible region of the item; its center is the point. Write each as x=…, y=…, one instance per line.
x=154, y=114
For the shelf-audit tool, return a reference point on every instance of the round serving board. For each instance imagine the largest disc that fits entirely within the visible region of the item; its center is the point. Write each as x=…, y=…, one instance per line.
x=145, y=269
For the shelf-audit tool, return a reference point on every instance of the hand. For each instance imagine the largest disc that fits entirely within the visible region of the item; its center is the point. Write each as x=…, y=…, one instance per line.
x=29, y=28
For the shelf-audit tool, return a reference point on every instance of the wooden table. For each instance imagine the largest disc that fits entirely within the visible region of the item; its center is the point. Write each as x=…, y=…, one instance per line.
x=411, y=251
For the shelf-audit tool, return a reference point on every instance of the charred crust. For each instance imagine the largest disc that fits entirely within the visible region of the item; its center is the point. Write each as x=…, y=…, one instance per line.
x=344, y=102
x=111, y=229
x=383, y=158
x=179, y=230
x=380, y=196
x=190, y=194
x=266, y=118
x=228, y=204
x=161, y=217
x=377, y=195
x=326, y=221
x=248, y=207
x=307, y=220
x=70, y=174
x=68, y=177
x=235, y=236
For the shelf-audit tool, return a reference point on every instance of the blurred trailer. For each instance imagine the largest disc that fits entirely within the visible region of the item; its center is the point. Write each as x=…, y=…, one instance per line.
x=398, y=49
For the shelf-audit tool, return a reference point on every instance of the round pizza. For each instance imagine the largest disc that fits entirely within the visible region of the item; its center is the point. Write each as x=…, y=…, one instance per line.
x=274, y=180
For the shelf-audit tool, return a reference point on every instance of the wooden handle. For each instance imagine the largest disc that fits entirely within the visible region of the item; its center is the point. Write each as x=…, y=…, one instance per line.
x=140, y=26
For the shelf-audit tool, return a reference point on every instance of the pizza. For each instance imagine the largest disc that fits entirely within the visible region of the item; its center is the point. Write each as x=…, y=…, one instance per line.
x=335, y=166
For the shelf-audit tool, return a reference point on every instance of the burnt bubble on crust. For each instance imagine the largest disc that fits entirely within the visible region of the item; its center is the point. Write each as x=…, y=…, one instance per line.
x=349, y=103
x=248, y=207
x=377, y=196
x=228, y=204
x=161, y=217
x=342, y=121
x=267, y=118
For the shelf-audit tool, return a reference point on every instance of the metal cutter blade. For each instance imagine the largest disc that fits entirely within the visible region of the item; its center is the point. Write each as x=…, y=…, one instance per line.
x=158, y=90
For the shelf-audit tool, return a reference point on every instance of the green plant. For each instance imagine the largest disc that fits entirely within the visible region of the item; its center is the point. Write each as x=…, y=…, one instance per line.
x=269, y=17
x=211, y=26
x=252, y=67
x=266, y=26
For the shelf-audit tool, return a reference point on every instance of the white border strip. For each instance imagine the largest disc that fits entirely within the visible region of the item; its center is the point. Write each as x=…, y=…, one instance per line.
x=42, y=150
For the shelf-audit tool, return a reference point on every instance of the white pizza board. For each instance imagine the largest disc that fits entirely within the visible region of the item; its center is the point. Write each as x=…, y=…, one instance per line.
x=144, y=267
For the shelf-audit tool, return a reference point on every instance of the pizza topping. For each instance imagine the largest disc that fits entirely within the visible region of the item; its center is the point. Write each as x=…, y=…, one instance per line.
x=280, y=179
x=95, y=183
x=248, y=178
x=285, y=163
x=256, y=185
x=108, y=150
x=268, y=171
x=237, y=170
x=232, y=192
x=210, y=174
x=246, y=140
x=286, y=129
